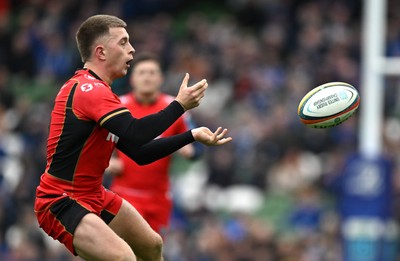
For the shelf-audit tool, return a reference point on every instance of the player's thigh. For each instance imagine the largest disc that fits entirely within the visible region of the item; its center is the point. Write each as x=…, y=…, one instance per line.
x=94, y=240
x=132, y=227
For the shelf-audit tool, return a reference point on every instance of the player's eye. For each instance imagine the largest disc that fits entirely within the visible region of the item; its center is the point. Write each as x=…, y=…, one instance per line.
x=123, y=41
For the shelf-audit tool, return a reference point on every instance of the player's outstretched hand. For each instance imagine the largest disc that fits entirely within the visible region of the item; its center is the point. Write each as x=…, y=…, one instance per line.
x=209, y=138
x=189, y=96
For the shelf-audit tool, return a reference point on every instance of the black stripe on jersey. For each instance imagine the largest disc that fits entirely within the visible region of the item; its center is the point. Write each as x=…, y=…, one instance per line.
x=107, y=216
x=73, y=137
x=111, y=114
x=69, y=213
x=93, y=74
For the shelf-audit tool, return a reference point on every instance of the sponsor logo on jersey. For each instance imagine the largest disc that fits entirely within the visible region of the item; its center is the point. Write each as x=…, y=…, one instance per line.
x=86, y=87
x=99, y=84
x=112, y=137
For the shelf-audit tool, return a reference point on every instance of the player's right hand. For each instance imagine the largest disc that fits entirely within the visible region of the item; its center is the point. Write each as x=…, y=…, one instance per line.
x=189, y=96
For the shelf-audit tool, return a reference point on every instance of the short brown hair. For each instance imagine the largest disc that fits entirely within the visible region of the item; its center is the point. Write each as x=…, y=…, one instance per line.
x=93, y=28
x=145, y=56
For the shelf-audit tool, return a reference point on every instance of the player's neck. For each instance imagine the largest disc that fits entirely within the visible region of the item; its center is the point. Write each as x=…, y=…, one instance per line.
x=99, y=72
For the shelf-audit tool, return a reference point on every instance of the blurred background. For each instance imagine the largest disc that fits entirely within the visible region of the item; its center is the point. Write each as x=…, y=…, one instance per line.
x=280, y=191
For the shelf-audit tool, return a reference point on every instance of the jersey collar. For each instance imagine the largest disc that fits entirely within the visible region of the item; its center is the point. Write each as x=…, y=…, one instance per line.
x=93, y=74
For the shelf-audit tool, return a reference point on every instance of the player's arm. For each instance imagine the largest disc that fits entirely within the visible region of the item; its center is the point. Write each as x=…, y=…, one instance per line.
x=140, y=131
x=143, y=130
x=155, y=149
x=159, y=148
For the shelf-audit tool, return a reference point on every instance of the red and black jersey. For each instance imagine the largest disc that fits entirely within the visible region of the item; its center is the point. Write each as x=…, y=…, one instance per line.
x=78, y=148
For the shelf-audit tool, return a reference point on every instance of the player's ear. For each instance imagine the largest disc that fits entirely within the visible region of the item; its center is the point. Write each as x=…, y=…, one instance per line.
x=100, y=52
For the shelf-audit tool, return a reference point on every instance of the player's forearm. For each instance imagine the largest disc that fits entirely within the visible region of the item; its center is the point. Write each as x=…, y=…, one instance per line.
x=141, y=131
x=156, y=149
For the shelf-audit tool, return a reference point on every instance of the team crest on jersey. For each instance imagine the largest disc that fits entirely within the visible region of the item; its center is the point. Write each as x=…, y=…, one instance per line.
x=86, y=87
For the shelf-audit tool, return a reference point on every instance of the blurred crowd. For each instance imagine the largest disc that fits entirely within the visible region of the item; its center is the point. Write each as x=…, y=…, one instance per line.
x=262, y=197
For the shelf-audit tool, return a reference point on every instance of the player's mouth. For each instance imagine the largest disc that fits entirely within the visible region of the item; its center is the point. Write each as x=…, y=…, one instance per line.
x=128, y=62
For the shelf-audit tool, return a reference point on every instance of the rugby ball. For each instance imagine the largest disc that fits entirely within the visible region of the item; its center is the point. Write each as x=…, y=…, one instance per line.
x=328, y=105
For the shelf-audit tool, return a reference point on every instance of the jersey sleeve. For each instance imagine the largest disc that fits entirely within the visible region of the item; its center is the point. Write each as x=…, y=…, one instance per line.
x=95, y=101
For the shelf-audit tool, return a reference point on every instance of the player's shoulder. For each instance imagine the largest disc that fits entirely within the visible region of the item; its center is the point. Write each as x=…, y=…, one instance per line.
x=87, y=83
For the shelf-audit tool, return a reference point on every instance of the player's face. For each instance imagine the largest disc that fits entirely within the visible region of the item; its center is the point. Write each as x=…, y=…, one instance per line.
x=146, y=78
x=118, y=52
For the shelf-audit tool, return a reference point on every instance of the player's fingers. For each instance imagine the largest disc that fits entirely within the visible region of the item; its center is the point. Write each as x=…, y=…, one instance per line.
x=224, y=141
x=222, y=134
x=217, y=131
x=200, y=96
x=220, y=138
x=201, y=85
x=185, y=81
x=216, y=134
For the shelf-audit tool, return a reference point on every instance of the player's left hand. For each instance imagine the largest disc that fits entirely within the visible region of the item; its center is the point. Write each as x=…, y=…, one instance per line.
x=115, y=166
x=209, y=138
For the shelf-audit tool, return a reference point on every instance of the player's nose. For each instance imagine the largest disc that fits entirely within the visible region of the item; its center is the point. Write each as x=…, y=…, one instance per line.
x=132, y=50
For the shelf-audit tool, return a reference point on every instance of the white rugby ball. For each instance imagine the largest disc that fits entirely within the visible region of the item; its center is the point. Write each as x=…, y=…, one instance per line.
x=328, y=105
